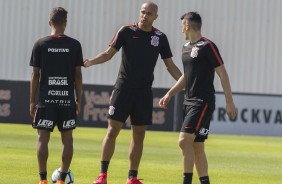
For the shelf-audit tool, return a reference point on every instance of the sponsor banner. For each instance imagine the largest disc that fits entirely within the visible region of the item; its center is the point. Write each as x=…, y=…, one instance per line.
x=14, y=105
x=14, y=102
x=257, y=115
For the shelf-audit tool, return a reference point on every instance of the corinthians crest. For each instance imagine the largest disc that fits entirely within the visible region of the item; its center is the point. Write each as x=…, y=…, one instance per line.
x=111, y=110
x=194, y=52
x=154, y=41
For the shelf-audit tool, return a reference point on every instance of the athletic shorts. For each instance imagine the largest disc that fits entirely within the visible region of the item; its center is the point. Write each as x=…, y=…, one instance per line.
x=134, y=103
x=48, y=118
x=196, y=119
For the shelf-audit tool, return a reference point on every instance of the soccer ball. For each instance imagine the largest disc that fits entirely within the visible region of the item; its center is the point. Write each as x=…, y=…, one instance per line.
x=69, y=177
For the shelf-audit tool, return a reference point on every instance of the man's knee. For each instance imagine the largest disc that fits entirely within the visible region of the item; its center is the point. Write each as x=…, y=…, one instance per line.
x=181, y=142
x=43, y=137
x=113, y=129
x=67, y=138
x=112, y=133
x=138, y=133
x=185, y=139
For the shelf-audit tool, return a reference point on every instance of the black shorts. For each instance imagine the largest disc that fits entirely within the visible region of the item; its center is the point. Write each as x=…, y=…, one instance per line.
x=136, y=103
x=48, y=118
x=196, y=119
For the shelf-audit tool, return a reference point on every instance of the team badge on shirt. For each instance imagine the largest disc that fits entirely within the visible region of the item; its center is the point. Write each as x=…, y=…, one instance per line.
x=155, y=41
x=194, y=52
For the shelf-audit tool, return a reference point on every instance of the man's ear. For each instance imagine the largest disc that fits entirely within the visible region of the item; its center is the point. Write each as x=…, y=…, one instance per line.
x=187, y=26
x=156, y=16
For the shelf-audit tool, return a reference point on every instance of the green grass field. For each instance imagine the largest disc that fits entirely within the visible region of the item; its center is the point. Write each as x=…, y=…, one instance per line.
x=232, y=159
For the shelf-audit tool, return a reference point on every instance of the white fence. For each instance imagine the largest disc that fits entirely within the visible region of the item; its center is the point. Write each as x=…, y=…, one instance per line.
x=246, y=32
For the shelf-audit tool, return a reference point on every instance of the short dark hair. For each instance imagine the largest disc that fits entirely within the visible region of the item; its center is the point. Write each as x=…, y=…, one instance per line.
x=193, y=19
x=58, y=16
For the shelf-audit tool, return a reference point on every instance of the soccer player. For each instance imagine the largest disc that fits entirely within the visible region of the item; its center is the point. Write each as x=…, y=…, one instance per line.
x=201, y=59
x=56, y=62
x=132, y=95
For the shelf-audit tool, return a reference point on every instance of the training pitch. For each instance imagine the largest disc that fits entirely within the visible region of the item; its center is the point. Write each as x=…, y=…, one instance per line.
x=232, y=159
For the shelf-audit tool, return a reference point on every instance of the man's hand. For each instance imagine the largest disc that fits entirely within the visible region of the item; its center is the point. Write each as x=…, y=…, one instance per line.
x=231, y=110
x=32, y=109
x=164, y=101
x=87, y=63
x=77, y=108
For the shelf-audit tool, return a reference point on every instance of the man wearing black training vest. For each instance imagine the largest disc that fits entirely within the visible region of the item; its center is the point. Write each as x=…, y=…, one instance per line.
x=132, y=96
x=56, y=62
x=201, y=59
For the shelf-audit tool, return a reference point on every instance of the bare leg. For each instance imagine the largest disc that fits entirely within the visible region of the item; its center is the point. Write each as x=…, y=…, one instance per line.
x=136, y=146
x=201, y=162
x=186, y=141
x=109, y=142
x=67, y=153
x=42, y=149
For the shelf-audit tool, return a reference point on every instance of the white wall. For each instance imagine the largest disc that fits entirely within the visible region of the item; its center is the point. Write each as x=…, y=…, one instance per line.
x=246, y=32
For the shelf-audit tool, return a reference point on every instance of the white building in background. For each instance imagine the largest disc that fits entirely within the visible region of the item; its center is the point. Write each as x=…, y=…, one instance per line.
x=247, y=33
